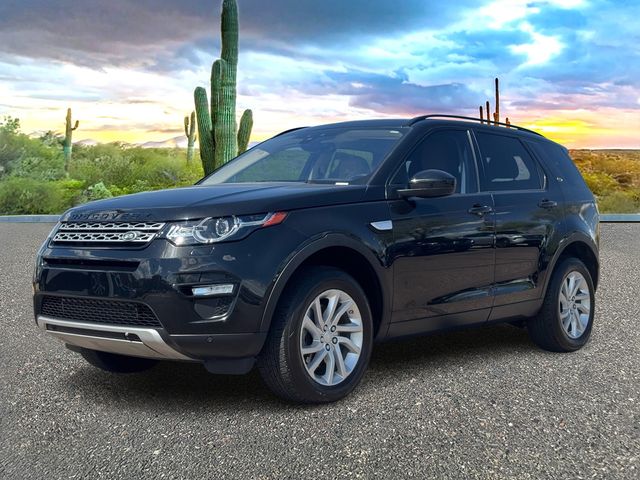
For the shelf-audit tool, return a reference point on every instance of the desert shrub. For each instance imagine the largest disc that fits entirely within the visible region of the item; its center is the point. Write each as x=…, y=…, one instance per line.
x=23, y=156
x=71, y=192
x=30, y=196
x=98, y=192
x=620, y=202
x=600, y=183
x=100, y=163
x=133, y=169
x=613, y=176
x=33, y=177
x=46, y=166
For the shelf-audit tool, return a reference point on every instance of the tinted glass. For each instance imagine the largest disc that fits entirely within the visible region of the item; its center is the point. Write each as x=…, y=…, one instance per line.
x=285, y=166
x=325, y=155
x=558, y=156
x=447, y=150
x=507, y=164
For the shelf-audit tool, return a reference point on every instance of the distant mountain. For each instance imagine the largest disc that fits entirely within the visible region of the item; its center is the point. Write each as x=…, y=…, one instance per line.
x=87, y=142
x=175, y=142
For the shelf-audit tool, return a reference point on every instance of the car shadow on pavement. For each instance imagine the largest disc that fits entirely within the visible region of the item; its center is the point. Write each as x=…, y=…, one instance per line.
x=452, y=346
x=189, y=386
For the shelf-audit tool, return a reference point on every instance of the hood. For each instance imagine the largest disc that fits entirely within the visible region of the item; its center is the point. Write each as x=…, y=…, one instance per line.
x=215, y=200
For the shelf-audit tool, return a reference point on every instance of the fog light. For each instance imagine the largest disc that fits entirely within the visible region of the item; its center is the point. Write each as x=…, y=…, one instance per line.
x=208, y=290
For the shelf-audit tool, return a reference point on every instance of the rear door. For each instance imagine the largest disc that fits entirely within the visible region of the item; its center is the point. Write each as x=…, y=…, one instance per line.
x=443, y=253
x=527, y=214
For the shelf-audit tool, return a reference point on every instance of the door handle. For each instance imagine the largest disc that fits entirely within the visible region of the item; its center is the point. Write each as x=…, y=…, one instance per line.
x=547, y=203
x=480, y=210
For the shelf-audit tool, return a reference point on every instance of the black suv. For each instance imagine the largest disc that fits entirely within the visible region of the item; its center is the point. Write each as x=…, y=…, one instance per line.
x=302, y=252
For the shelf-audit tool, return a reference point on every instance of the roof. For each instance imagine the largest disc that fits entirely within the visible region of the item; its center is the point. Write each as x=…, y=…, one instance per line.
x=440, y=119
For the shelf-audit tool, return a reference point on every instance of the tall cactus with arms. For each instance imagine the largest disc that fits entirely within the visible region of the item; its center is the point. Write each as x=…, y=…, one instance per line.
x=68, y=133
x=220, y=140
x=190, y=132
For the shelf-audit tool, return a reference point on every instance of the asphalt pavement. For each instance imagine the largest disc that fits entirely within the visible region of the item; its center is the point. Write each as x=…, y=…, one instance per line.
x=483, y=403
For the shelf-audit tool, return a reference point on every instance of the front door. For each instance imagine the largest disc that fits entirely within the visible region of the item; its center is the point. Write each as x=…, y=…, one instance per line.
x=443, y=252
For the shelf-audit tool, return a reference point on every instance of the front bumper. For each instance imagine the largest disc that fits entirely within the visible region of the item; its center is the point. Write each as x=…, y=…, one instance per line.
x=132, y=341
x=230, y=353
x=160, y=277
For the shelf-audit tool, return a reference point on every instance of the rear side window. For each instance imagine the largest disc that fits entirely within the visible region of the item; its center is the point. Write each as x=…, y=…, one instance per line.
x=507, y=165
x=558, y=156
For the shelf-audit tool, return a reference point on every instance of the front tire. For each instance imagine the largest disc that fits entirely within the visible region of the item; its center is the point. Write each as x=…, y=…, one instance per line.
x=565, y=320
x=320, y=339
x=114, y=363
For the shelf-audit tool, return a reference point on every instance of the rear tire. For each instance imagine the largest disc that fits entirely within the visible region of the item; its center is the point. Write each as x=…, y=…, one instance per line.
x=565, y=320
x=114, y=363
x=319, y=357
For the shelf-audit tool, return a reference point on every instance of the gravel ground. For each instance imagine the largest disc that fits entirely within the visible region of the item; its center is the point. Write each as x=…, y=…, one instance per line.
x=477, y=404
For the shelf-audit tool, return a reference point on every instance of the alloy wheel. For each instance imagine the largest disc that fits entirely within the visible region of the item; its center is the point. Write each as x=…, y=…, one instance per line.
x=574, y=304
x=331, y=337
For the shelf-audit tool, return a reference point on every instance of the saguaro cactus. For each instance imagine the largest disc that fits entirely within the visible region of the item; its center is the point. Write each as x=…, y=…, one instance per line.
x=220, y=141
x=190, y=132
x=68, y=133
x=495, y=117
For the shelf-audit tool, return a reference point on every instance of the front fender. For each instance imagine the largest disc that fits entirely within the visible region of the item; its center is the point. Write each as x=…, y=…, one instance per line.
x=377, y=260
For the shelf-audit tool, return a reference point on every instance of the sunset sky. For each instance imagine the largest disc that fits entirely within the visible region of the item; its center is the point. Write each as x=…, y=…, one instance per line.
x=569, y=68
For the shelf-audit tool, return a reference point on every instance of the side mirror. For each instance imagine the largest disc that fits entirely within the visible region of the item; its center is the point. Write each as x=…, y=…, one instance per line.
x=430, y=183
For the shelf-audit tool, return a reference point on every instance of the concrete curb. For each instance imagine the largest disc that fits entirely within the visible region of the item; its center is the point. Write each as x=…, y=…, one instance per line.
x=620, y=217
x=607, y=218
x=29, y=218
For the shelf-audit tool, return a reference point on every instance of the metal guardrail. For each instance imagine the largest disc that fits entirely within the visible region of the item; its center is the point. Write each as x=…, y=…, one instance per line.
x=605, y=218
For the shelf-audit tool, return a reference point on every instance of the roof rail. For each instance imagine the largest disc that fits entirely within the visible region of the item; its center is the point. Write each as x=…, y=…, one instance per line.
x=460, y=117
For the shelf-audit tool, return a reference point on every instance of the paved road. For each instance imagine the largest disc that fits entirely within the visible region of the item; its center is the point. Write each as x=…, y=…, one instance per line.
x=476, y=404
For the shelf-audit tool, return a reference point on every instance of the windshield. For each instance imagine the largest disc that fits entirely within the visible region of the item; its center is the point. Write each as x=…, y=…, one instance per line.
x=317, y=155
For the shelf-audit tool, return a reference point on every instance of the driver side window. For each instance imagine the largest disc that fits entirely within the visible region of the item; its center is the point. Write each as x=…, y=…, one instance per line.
x=446, y=150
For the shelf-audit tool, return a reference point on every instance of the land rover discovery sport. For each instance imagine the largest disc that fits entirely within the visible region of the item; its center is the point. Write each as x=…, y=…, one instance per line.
x=301, y=253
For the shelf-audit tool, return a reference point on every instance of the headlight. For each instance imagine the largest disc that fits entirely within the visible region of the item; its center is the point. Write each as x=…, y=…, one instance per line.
x=212, y=230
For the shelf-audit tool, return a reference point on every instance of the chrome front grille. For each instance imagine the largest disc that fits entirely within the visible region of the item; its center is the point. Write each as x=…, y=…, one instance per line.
x=115, y=233
x=112, y=226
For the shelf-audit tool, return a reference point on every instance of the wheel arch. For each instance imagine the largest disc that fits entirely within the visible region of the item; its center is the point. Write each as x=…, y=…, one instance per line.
x=580, y=246
x=347, y=254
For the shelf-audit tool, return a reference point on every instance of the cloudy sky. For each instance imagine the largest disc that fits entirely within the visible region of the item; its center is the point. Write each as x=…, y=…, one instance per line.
x=569, y=68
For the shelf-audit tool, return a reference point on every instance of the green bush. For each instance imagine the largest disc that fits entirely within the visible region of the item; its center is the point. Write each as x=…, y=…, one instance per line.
x=133, y=169
x=29, y=196
x=72, y=192
x=619, y=202
x=600, y=183
x=33, y=177
x=44, y=167
x=98, y=192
